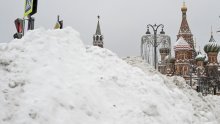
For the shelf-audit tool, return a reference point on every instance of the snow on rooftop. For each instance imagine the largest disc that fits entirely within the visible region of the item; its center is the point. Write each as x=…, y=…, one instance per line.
x=181, y=44
x=50, y=77
x=181, y=41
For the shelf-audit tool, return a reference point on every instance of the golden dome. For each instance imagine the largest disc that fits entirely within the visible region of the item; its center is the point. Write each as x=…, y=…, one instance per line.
x=184, y=8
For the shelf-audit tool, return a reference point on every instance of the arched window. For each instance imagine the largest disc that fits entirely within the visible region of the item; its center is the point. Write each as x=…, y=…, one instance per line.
x=184, y=70
x=97, y=37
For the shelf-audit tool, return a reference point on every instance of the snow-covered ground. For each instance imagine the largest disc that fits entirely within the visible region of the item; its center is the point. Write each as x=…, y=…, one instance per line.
x=50, y=77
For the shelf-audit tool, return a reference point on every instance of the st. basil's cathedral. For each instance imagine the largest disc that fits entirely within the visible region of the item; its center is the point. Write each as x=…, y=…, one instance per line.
x=200, y=71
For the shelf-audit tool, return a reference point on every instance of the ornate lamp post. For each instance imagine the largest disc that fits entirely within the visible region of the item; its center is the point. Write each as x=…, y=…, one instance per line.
x=153, y=40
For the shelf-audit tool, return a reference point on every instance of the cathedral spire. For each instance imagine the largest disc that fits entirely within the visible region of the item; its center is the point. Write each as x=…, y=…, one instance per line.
x=184, y=30
x=212, y=38
x=98, y=37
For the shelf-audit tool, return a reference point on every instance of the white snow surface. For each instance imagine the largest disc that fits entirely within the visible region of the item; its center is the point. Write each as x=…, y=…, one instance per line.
x=51, y=77
x=205, y=109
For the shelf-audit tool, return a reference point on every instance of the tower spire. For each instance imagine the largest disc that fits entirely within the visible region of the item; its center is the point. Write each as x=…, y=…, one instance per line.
x=212, y=38
x=98, y=37
x=184, y=30
x=98, y=29
x=184, y=3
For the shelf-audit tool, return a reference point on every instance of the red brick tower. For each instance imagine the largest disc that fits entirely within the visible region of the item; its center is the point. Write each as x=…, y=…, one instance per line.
x=185, y=32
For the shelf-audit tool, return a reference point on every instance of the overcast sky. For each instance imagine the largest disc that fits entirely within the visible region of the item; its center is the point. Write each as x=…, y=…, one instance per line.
x=123, y=22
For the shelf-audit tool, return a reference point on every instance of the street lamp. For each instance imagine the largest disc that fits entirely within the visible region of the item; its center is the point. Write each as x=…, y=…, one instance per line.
x=153, y=40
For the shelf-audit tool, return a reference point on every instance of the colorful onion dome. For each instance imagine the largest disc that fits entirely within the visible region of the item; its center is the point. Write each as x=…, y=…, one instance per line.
x=200, y=57
x=212, y=46
x=181, y=44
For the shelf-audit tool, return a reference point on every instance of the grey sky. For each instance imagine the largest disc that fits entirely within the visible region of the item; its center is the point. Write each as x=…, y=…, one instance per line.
x=123, y=22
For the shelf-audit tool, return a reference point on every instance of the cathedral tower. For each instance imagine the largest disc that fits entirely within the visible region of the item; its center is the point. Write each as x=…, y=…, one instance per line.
x=98, y=37
x=185, y=31
x=182, y=55
x=212, y=49
x=164, y=53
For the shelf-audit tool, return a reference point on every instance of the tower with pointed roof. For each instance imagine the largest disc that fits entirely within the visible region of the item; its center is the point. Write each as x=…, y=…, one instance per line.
x=182, y=55
x=212, y=49
x=98, y=37
x=185, y=31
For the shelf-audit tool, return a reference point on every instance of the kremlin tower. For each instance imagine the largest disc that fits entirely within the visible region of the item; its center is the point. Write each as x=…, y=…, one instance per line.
x=98, y=37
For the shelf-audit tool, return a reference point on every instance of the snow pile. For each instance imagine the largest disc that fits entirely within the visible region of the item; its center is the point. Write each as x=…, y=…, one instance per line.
x=50, y=77
x=205, y=109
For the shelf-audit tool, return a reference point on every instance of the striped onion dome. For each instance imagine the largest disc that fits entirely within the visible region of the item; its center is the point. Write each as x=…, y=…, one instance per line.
x=200, y=57
x=181, y=44
x=212, y=46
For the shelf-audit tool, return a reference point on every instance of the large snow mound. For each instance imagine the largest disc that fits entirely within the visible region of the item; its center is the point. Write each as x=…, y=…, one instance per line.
x=203, y=106
x=50, y=77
